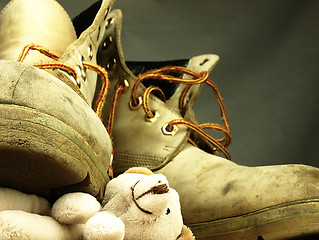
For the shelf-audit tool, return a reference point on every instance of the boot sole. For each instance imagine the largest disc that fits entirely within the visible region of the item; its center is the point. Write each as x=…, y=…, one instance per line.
x=296, y=220
x=42, y=155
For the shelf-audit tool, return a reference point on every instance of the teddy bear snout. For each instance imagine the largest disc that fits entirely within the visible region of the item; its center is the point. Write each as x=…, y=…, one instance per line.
x=159, y=189
x=154, y=184
x=145, y=200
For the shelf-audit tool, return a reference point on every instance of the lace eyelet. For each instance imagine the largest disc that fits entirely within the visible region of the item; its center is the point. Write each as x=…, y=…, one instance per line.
x=90, y=52
x=109, y=22
x=80, y=73
x=125, y=84
x=77, y=80
x=80, y=70
x=111, y=64
x=137, y=106
x=152, y=119
x=169, y=132
x=107, y=42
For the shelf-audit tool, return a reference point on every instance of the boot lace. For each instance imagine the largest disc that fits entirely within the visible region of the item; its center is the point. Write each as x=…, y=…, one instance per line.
x=168, y=74
x=71, y=70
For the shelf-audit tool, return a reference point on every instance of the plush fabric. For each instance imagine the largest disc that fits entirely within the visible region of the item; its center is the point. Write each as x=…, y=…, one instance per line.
x=138, y=205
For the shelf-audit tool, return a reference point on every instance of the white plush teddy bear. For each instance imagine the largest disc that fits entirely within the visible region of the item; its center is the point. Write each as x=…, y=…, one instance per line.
x=136, y=206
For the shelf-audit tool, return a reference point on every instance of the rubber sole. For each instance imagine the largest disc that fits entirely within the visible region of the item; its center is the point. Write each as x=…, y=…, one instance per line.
x=42, y=155
x=296, y=220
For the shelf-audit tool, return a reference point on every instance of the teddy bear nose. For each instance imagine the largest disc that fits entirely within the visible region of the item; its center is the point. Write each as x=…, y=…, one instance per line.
x=160, y=189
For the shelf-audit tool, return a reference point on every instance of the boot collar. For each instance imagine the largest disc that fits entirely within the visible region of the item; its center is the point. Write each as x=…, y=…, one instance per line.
x=37, y=27
x=41, y=22
x=85, y=48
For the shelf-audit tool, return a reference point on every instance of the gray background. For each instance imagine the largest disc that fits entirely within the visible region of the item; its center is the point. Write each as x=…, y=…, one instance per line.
x=268, y=72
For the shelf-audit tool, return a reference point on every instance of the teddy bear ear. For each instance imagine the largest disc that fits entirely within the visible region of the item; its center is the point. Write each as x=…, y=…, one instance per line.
x=186, y=234
x=139, y=170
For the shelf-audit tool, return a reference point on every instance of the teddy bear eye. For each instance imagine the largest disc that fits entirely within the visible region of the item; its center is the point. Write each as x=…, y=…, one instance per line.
x=168, y=211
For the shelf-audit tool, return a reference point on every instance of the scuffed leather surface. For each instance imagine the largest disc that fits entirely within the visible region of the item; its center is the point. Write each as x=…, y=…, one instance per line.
x=221, y=188
x=24, y=85
x=24, y=22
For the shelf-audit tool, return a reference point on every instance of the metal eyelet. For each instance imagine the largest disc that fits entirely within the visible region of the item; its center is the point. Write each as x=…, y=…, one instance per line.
x=83, y=70
x=111, y=64
x=125, y=85
x=152, y=119
x=80, y=71
x=109, y=22
x=169, y=132
x=83, y=74
x=137, y=106
x=90, y=52
x=107, y=42
x=75, y=81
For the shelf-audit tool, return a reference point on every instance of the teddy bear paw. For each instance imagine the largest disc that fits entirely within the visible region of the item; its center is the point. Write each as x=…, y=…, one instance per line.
x=104, y=226
x=75, y=208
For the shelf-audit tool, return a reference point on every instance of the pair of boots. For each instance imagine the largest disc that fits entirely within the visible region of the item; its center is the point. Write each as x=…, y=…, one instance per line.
x=70, y=104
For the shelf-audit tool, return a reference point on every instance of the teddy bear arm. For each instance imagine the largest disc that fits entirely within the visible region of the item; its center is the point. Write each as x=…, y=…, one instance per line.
x=17, y=224
x=11, y=199
x=75, y=208
x=104, y=225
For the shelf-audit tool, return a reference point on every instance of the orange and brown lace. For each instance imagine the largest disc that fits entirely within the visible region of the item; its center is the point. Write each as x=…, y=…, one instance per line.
x=71, y=70
x=165, y=74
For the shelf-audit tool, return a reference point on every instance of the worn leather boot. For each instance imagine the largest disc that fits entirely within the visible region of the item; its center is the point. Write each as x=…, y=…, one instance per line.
x=51, y=141
x=150, y=118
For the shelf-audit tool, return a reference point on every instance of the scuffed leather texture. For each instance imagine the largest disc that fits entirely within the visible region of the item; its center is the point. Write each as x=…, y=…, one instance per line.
x=18, y=29
x=59, y=109
x=53, y=98
x=63, y=113
x=225, y=189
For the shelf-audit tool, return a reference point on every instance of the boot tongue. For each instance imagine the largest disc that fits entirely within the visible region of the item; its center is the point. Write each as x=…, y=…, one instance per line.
x=173, y=90
x=197, y=64
x=168, y=88
x=42, y=22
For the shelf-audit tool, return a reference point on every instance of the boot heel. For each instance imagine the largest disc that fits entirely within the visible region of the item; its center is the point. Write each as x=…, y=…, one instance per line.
x=42, y=155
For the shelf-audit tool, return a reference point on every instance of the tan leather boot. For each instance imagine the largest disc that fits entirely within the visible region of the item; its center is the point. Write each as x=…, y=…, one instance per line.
x=51, y=141
x=155, y=127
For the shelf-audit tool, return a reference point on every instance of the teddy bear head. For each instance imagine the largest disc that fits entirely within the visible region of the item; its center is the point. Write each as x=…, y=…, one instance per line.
x=146, y=204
